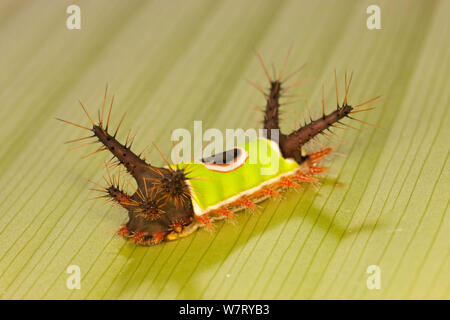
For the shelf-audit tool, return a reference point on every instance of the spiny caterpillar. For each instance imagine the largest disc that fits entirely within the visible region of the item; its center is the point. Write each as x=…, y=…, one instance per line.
x=170, y=202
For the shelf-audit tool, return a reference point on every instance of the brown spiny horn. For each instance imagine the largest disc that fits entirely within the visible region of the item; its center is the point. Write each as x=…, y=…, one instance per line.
x=291, y=144
x=132, y=162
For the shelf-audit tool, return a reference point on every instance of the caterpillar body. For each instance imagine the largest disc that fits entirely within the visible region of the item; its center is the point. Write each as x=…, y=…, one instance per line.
x=170, y=203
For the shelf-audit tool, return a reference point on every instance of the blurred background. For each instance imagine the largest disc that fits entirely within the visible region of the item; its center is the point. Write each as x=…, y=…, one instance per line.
x=168, y=63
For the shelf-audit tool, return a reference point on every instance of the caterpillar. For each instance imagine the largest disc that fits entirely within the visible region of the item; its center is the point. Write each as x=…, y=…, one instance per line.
x=173, y=201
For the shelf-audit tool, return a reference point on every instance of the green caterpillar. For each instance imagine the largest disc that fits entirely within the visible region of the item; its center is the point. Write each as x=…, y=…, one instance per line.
x=173, y=201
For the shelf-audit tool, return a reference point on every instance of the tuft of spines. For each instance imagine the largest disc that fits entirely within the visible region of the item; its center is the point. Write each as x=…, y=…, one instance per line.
x=225, y=211
x=149, y=209
x=171, y=186
x=271, y=192
x=247, y=203
x=114, y=191
x=204, y=219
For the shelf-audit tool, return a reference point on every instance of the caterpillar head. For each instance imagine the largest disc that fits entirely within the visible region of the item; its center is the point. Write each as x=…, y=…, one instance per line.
x=162, y=204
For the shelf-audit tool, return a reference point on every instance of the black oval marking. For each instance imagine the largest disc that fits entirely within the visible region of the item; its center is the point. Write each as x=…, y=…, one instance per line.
x=226, y=157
